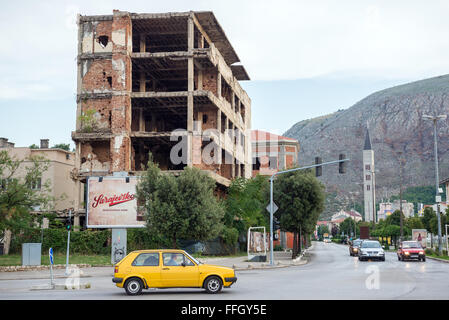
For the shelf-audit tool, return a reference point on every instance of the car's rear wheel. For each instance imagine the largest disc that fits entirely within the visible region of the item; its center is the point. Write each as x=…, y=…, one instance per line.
x=213, y=284
x=133, y=286
x=423, y=259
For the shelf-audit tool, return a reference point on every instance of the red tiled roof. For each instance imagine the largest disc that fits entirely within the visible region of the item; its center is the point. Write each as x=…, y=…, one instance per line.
x=259, y=135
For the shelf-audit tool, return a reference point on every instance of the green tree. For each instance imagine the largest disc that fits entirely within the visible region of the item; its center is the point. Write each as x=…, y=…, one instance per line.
x=427, y=216
x=414, y=223
x=300, y=198
x=394, y=218
x=434, y=224
x=322, y=229
x=245, y=205
x=182, y=207
x=34, y=146
x=347, y=226
x=21, y=191
x=63, y=146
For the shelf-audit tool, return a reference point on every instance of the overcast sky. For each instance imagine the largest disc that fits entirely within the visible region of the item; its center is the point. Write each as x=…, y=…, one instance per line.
x=305, y=58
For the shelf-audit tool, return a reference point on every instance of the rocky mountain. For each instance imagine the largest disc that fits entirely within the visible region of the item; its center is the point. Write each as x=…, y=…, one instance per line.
x=398, y=133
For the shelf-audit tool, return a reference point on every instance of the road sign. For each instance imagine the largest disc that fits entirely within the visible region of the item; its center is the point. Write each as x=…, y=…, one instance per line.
x=275, y=208
x=50, y=254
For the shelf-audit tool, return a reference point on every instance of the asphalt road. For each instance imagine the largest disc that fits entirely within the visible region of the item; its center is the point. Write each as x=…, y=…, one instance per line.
x=331, y=274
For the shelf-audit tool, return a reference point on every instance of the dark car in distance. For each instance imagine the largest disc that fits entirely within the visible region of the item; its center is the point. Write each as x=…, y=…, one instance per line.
x=354, y=247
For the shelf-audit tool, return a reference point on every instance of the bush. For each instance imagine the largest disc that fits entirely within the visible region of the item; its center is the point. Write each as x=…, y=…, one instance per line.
x=278, y=247
x=83, y=242
x=87, y=242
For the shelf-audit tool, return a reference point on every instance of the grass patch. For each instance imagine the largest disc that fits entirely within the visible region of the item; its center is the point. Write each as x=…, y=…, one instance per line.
x=439, y=257
x=94, y=260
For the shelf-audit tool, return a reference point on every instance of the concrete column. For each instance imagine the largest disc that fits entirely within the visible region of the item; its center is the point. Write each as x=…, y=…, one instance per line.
x=142, y=82
x=76, y=221
x=153, y=123
x=142, y=43
x=190, y=88
x=218, y=84
x=219, y=121
x=141, y=120
x=200, y=79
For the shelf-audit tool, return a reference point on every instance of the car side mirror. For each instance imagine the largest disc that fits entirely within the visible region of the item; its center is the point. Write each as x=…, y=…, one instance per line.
x=383, y=247
x=183, y=264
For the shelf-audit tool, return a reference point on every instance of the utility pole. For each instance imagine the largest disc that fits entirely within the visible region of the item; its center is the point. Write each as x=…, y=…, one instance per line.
x=437, y=182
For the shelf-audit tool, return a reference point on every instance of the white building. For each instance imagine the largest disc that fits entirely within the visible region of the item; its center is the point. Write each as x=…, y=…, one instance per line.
x=387, y=208
x=346, y=214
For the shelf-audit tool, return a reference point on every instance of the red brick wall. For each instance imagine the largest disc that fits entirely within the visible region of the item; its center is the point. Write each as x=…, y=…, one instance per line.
x=210, y=80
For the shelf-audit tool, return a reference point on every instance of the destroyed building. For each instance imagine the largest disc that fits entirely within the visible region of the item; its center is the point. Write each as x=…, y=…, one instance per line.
x=142, y=76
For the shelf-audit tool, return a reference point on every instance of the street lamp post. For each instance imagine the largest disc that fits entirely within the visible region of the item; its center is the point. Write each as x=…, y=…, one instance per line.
x=437, y=182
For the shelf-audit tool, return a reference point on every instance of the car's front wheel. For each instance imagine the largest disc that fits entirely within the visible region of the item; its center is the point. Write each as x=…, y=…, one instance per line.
x=213, y=284
x=133, y=286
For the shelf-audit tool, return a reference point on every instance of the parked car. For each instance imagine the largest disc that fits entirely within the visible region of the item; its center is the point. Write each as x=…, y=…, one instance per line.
x=354, y=247
x=371, y=250
x=411, y=250
x=146, y=269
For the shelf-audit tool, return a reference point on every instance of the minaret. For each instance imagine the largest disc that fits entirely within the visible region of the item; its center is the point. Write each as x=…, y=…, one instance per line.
x=369, y=185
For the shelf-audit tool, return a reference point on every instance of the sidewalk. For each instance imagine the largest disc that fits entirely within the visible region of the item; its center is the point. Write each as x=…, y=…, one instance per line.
x=281, y=260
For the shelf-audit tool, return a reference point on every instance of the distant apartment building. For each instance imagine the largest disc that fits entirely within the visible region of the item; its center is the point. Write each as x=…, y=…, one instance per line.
x=272, y=153
x=165, y=83
x=58, y=175
x=387, y=208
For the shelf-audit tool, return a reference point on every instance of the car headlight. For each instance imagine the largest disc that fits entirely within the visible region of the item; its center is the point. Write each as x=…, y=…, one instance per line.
x=355, y=249
x=406, y=253
x=421, y=252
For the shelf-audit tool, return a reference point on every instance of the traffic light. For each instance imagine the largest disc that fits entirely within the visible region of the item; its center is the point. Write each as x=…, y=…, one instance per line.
x=68, y=224
x=276, y=224
x=319, y=169
x=276, y=227
x=342, y=165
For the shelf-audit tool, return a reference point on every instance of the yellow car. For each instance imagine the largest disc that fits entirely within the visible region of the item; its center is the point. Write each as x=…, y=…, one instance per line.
x=145, y=269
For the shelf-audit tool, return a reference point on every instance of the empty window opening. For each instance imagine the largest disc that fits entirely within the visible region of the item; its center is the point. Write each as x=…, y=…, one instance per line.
x=103, y=41
x=204, y=118
x=109, y=81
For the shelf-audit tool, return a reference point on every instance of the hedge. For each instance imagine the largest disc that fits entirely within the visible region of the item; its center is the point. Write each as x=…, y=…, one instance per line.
x=87, y=242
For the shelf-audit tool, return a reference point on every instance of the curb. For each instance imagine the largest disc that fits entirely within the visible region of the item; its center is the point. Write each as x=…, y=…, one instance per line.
x=296, y=262
x=61, y=287
x=437, y=259
x=42, y=267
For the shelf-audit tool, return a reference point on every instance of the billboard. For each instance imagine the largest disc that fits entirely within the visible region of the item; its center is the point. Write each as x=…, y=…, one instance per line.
x=112, y=203
x=420, y=235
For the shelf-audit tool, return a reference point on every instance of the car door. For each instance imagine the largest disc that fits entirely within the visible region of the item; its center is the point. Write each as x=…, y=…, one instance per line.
x=178, y=271
x=147, y=265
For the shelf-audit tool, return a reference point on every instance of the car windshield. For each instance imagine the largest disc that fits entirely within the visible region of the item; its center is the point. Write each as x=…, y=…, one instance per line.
x=370, y=244
x=407, y=245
